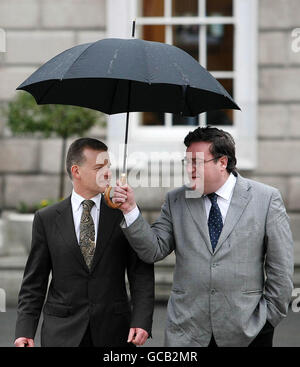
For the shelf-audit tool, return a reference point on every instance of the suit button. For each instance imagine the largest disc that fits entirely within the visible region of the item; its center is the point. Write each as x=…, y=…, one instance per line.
x=213, y=291
x=214, y=265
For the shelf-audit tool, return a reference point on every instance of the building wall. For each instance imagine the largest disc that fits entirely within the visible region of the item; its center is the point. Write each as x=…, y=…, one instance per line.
x=278, y=124
x=36, y=30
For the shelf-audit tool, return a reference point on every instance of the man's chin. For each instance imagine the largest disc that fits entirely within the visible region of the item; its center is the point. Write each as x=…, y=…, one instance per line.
x=197, y=184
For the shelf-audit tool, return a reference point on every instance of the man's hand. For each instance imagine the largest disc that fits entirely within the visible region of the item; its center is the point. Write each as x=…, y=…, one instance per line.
x=124, y=194
x=137, y=336
x=24, y=342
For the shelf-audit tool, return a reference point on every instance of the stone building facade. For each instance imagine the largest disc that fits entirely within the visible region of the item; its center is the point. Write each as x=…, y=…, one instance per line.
x=37, y=30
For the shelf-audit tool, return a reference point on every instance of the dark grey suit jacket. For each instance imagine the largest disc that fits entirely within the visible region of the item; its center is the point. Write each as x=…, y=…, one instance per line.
x=78, y=297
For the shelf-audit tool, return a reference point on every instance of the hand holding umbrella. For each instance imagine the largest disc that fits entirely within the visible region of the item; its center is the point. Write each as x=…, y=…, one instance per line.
x=124, y=75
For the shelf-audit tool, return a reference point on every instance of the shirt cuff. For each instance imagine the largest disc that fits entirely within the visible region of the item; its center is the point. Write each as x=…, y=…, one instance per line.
x=131, y=216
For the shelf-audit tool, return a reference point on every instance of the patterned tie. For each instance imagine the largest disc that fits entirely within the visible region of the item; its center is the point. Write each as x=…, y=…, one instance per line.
x=215, y=223
x=87, y=233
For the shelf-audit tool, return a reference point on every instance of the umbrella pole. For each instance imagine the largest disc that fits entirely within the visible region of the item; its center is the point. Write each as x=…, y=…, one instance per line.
x=126, y=132
x=124, y=171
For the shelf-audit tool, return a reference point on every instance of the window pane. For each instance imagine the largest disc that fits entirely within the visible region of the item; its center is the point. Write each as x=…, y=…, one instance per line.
x=220, y=47
x=153, y=8
x=185, y=120
x=153, y=118
x=222, y=117
x=219, y=8
x=184, y=8
x=153, y=33
x=186, y=37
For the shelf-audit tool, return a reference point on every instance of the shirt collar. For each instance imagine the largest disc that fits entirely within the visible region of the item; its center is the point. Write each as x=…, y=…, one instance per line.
x=77, y=199
x=226, y=190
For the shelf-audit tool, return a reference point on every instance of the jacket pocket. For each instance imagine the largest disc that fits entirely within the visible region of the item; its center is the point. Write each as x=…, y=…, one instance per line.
x=178, y=291
x=121, y=307
x=255, y=291
x=57, y=310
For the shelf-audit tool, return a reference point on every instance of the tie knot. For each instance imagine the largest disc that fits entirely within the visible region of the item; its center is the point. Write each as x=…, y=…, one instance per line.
x=213, y=197
x=87, y=204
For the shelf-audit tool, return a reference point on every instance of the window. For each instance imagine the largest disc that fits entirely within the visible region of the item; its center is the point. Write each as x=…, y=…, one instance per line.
x=221, y=35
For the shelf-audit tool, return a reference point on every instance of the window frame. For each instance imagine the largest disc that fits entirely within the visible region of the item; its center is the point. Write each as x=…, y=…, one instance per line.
x=120, y=14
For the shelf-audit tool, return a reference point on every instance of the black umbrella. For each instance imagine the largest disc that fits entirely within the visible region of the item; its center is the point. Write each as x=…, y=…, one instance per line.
x=124, y=75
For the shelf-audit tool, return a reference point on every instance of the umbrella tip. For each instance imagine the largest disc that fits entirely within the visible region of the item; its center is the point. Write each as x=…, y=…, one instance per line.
x=133, y=28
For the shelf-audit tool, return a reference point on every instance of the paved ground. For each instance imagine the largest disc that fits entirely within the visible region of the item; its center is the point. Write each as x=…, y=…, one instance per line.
x=286, y=335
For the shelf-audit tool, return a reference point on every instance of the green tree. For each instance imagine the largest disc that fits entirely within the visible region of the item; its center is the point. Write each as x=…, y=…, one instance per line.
x=24, y=116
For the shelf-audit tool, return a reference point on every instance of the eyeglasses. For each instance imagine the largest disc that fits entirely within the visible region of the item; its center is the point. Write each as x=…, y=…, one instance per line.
x=196, y=161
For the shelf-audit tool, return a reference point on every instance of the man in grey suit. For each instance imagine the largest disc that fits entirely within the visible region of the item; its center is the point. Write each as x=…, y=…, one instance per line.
x=233, y=245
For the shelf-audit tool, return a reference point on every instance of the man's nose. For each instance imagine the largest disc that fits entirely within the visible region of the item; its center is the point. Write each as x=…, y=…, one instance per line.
x=107, y=173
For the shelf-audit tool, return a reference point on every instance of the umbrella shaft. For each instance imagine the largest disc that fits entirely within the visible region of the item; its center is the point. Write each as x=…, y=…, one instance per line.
x=125, y=146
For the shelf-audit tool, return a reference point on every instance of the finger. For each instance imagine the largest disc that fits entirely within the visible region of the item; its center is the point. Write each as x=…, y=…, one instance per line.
x=144, y=335
x=138, y=338
x=131, y=335
x=30, y=343
x=120, y=195
x=124, y=186
x=118, y=200
x=119, y=190
x=20, y=342
x=144, y=338
x=120, y=185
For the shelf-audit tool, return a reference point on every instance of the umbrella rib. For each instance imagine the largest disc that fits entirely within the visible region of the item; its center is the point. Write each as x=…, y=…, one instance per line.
x=61, y=78
x=76, y=60
x=147, y=64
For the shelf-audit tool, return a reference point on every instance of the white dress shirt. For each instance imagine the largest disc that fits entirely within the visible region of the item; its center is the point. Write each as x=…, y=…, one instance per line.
x=76, y=201
x=224, y=197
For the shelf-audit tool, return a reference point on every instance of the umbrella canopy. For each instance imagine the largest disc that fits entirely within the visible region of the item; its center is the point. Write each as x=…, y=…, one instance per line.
x=124, y=75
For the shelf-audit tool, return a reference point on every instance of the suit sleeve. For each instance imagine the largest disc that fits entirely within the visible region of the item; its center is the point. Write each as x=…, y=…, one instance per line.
x=141, y=283
x=34, y=284
x=279, y=263
x=152, y=243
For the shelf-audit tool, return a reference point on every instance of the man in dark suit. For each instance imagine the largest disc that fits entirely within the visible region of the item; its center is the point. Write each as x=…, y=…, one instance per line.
x=80, y=242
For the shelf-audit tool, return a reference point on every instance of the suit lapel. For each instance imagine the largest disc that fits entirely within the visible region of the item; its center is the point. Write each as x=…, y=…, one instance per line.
x=239, y=201
x=109, y=218
x=197, y=209
x=66, y=227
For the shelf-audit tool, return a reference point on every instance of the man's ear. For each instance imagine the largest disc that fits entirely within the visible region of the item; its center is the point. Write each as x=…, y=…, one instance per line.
x=75, y=171
x=224, y=161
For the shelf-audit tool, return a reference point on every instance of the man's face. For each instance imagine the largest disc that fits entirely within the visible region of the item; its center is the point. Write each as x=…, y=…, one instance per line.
x=94, y=173
x=204, y=173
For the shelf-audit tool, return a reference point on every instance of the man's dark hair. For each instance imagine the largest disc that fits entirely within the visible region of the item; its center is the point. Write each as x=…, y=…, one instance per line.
x=222, y=143
x=75, y=153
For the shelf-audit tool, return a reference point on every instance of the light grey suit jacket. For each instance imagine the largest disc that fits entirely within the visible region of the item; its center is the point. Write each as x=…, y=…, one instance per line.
x=232, y=291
